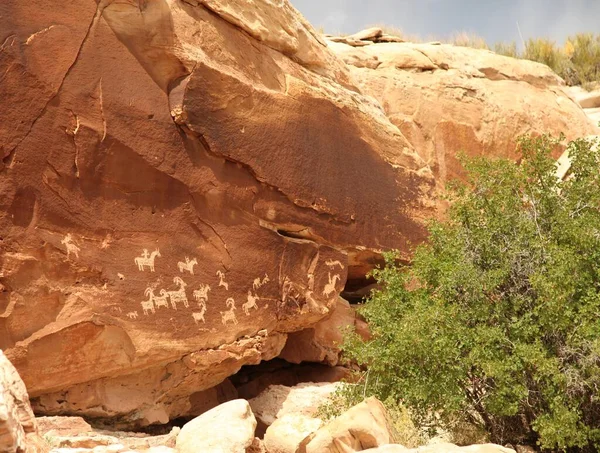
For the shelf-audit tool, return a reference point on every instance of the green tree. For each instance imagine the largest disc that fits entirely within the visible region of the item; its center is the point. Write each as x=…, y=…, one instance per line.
x=497, y=320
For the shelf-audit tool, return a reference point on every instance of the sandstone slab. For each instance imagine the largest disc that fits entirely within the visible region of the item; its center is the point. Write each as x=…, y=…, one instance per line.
x=170, y=205
x=228, y=428
x=447, y=99
x=363, y=426
x=18, y=428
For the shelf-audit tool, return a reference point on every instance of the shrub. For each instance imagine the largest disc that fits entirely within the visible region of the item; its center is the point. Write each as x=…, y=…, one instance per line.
x=544, y=51
x=466, y=39
x=583, y=53
x=506, y=49
x=497, y=320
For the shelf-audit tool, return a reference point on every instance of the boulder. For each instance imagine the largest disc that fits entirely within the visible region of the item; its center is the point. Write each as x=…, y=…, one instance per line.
x=62, y=426
x=363, y=426
x=302, y=399
x=287, y=432
x=18, y=428
x=367, y=34
x=321, y=343
x=448, y=99
x=587, y=99
x=228, y=428
x=174, y=201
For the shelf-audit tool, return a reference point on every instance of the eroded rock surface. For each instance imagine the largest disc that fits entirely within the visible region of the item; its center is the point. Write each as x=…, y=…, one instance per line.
x=18, y=428
x=446, y=99
x=228, y=428
x=187, y=183
x=183, y=183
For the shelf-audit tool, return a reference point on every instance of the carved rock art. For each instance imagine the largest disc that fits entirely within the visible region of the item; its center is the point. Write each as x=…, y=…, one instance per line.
x=71, y=246
x=229, y=315
x=199, y=316
x=222, y=281
x=179, y=295
x=159, y=301
x=329, y=288
x=252, y=299
x=201, y=294
x=148, y=305
x=146, y=260
x=333, y=263
x=288, y=292
x=188, y=265
x=132, y=315
x=258, y=282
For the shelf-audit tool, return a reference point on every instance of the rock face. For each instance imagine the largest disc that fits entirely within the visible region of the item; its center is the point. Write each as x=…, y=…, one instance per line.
x=446, y=99
x=185, y=183
x=18, y=428
x=174, y=201
x=228, y=428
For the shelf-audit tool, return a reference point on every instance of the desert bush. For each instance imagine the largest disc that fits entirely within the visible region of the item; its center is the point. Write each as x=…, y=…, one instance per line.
x=583, y=53
x=467, y=39
x=544, y=51
x=507, y=49
x=497, y=320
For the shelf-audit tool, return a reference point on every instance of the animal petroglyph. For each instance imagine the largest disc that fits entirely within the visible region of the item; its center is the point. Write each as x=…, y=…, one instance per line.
x=146, y=260
x=222, y=281
x=332, y=264
x=159, y=301
x=329, y=288
x=199, y=315
x=258, y=282
x=148, y=305
x=188, y=265
x=132, y=315
x=201, y=294
x=71, y=246
x=229, y=315
x=251, y=303
x=179, y=295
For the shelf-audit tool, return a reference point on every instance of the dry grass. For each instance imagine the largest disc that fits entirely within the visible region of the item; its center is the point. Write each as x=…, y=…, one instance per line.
x=468, y=39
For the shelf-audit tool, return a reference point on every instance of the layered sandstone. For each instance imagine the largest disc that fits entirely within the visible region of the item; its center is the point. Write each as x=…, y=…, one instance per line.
x=183, y=184
x=448, y=99
x=188, y=183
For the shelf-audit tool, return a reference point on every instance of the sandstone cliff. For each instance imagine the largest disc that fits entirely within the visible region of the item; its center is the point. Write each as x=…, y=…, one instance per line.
x=185, y=182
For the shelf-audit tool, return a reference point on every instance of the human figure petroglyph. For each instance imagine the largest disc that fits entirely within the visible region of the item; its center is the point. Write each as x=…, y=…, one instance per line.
x=70, y=245
x=329, y=288
x=179, y=295
x=332, y=264
x=188, y=265
x=252, y=299
x=229, y=315
x=222, y=281
x=201, y=294
x=258, y=282
x=132, y=315
x=146, y=259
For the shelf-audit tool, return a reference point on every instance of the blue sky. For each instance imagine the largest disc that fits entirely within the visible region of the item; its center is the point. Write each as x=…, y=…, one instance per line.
x=494, y=20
